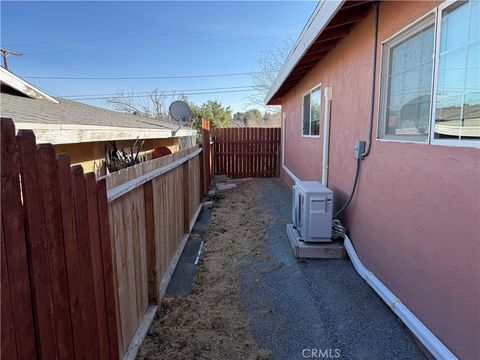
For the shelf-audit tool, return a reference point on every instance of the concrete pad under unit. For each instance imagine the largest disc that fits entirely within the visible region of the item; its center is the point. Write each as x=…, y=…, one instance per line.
x=302, y=250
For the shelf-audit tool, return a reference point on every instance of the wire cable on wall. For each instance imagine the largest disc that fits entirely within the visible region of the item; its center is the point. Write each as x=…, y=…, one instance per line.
x=372, y=106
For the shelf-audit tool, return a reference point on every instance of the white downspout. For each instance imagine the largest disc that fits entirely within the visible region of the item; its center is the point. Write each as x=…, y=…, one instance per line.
x=326, y=134
x=283, y=136
x=421, y=332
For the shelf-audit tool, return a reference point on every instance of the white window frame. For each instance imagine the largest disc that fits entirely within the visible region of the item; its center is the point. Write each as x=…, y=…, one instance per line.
x=387, y=44
x=438, y=32
x=407, y=32
x=318, y=86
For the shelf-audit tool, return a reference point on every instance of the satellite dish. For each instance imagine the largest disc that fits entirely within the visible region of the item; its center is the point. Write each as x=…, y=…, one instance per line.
x=179, y=111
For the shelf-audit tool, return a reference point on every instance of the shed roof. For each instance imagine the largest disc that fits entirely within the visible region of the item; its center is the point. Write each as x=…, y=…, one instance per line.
x=329, y=23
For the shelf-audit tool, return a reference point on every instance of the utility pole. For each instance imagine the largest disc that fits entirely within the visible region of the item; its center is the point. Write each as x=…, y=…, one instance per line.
x=5, y=53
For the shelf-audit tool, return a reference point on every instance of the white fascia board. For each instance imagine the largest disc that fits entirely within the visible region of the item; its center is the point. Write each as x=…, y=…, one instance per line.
x=185, y=132
x=22, y=86
x=72, y=134
x=321, y=17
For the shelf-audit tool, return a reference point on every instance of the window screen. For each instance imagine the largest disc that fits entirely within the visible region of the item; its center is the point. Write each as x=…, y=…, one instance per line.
x=410, y=67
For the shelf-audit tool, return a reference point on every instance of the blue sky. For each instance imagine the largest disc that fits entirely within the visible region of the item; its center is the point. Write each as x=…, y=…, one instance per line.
x=142, y=39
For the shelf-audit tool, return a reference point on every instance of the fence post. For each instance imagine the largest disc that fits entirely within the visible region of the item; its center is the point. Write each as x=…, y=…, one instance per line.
x=150, y=241
x=186, y=197
x=207, y=177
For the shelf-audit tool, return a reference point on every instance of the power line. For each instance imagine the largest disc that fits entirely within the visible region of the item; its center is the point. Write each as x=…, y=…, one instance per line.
x=152, y=45
x=161, y=92
x=143, y=96
x=136, y=77
x=155, y=35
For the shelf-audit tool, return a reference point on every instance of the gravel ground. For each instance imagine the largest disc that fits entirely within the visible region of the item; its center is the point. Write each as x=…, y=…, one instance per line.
x=211, y=322
x=311, y=308
x=252, y=299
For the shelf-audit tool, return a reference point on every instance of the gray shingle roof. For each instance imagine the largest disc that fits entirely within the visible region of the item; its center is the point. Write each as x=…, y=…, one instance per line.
x=24, y=109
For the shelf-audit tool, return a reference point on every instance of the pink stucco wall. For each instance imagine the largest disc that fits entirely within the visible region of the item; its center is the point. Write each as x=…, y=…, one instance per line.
x=415, y=218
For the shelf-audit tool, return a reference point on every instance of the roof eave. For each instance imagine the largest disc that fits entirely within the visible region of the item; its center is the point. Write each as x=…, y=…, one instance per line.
x=73, y=134
x=321, y=16
x=22, y=86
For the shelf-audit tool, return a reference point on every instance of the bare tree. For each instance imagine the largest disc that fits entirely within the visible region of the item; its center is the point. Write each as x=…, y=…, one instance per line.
x=153, y=105
x=269, y=62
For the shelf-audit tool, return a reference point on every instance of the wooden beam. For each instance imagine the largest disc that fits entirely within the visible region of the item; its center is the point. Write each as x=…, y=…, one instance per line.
x=348, y=16
x=353, y=3
x=142, y=330
x=332, y=34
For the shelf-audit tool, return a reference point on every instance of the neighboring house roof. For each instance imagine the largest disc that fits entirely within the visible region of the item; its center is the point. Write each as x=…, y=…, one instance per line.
x=10, y=79
x=330, y=22
x=62, y=121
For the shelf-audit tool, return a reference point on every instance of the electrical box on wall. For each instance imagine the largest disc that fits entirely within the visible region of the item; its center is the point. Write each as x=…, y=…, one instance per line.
x=312, y=211
x=359, y=149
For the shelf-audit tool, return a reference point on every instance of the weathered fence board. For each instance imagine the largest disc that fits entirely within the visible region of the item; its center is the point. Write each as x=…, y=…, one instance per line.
x=107, y=263
x=38, y=259
x=14, y=247
x=77, y=296
x=86, y=266
x=246, y=152
x=52, y=211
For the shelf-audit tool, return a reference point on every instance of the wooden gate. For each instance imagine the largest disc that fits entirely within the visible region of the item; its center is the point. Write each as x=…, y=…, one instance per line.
x=246, y=152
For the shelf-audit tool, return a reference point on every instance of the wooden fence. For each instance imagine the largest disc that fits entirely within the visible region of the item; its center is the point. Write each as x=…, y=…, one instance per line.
x=84, y=262
x=56, y=269
x=152, y=208
x=246, y=152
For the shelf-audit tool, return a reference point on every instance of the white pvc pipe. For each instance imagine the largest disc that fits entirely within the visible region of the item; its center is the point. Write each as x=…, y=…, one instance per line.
x=421, y=332
x=326, y=134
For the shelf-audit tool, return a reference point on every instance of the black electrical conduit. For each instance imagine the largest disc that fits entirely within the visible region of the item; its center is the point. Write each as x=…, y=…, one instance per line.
x=372, y=107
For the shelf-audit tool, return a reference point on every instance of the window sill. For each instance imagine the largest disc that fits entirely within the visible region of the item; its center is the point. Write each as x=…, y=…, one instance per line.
x=311, y=136
x=456, y=143
x=414, y=141
x=437, y=142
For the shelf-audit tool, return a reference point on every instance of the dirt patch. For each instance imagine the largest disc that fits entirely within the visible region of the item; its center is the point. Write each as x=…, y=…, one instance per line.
x=211, y=323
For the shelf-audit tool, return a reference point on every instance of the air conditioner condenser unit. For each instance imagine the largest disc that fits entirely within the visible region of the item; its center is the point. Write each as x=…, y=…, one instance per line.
x=312, y=211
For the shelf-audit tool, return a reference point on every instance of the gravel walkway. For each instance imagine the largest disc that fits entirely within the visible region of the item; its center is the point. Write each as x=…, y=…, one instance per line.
x=314, y=308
